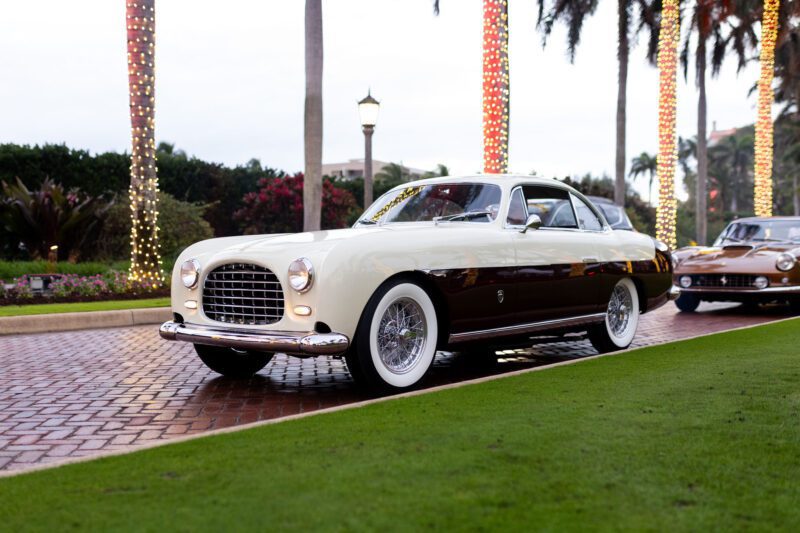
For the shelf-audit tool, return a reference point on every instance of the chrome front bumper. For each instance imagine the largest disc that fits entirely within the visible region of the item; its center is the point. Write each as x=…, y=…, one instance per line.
x=674, y=293
x=301, y=343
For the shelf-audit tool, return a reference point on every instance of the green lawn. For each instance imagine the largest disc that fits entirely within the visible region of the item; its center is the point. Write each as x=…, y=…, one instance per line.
x=698, y=435
x=109, y=305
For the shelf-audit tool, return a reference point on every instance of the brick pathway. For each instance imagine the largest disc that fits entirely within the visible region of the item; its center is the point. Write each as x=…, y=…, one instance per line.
x=74, y=394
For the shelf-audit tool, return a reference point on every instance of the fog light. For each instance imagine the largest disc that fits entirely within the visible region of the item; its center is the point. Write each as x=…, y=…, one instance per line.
x=190, y=304
x=686, y=281
x=761, y=282
x=302, y=310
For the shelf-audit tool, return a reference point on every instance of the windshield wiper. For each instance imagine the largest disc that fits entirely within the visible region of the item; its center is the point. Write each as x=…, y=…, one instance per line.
x=466, y=215
x=367, y=221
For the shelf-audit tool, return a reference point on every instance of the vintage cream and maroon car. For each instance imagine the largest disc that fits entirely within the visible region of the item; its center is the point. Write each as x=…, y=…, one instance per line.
x=444, y=263
x=754, y=260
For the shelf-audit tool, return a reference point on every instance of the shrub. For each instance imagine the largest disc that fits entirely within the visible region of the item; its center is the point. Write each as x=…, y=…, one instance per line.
x=277, y=207
x=180, y=224
x=73, y=285
x=22, y=289
x=15, y=269
x=51, y=216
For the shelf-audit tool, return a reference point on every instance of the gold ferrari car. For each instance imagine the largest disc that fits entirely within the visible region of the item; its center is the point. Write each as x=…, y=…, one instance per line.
x=753, y=261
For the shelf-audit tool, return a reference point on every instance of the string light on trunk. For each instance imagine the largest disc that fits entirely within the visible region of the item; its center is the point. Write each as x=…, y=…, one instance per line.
x=668, y=38
x=495, y=86
x=145, y=255
x=762, y=201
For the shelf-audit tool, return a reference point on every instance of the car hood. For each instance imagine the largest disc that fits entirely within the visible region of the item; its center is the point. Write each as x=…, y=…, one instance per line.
x=744, y=258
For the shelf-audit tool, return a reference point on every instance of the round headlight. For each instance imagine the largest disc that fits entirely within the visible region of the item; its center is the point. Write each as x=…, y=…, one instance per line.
x=301, y=274
x=785, y=262
x=190, y=273
x=761, y=282
x=686, y=281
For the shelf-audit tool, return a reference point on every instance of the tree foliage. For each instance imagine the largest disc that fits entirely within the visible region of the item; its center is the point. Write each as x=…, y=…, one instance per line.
x=189, y=179
x=277, y=206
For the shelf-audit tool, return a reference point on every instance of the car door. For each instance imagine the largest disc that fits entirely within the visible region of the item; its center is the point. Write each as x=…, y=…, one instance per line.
x=603, y=240
x=557, y=265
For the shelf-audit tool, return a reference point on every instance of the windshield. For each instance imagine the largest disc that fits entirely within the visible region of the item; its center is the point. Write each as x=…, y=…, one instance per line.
x=760, y=231
x=464, y=202
x=616, y=216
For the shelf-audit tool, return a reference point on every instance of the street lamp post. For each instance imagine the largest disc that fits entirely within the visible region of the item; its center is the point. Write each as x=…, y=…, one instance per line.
x=368, y=113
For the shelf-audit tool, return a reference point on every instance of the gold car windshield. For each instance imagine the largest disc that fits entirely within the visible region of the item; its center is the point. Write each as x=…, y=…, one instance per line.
x=463, y=202
x=760, y=231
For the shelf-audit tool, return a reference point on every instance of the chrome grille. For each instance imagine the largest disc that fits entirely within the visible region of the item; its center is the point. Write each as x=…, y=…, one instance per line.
x=724, y=281
x=240, y=293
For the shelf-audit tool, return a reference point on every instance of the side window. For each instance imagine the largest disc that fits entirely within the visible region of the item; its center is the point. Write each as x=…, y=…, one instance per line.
x=551, y=204
x=588, y=219
x=517, y=214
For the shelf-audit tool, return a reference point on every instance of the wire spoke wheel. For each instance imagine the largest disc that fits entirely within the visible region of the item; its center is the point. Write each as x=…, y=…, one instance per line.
x=401, y=335
x=619, y=310
x=619, y=326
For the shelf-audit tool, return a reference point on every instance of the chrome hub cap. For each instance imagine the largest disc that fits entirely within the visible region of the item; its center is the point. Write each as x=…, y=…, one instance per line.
x=619, y=310
x=401, y=335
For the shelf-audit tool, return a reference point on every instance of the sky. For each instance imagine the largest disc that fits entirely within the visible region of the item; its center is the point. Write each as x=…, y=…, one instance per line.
x=230, y=83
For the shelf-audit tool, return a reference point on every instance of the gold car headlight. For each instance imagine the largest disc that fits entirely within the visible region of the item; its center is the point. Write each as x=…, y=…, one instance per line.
x=301, y=274
x=190, y=273
x=785, y=262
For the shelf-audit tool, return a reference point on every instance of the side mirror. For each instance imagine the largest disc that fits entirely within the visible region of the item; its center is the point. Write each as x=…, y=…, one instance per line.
x=533, y=222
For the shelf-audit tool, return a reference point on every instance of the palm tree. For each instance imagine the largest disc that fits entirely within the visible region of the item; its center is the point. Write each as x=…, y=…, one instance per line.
x=764, y=127
x=714, y=21
x=645, y=164
x=687, y=149
x=573, y=13
x=441, y=170
x=312, y=181
x=392, y=173
x=735, y=152
x=141, y=30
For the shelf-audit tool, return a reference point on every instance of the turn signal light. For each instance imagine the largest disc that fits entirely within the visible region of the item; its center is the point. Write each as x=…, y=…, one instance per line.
x=302, y=310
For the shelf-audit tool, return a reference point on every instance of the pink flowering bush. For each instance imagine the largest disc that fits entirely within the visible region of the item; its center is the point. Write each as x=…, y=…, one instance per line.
x=22, y=288
x=99, y=284
x=72, y=287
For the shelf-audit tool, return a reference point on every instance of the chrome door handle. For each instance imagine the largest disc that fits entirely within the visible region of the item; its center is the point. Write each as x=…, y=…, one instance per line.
x=590, y=260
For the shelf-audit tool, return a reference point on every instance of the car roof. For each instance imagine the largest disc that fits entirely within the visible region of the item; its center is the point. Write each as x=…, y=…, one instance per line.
x=764, y=219
x=601, y=200
x=504, y=180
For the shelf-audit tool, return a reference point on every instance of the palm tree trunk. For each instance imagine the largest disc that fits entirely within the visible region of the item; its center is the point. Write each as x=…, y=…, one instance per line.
x=496, y=87
x=701, y=195
x=623, y=50
x=312, y=181
x=795, y=195
x=141, y=31
x=762, y=180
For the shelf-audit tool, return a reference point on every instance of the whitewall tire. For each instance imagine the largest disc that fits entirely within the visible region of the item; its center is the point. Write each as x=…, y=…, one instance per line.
x=396, y=339
x=621, y=321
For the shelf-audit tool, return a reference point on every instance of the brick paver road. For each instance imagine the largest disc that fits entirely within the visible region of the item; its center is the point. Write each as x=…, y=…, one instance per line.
x=81, y=393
